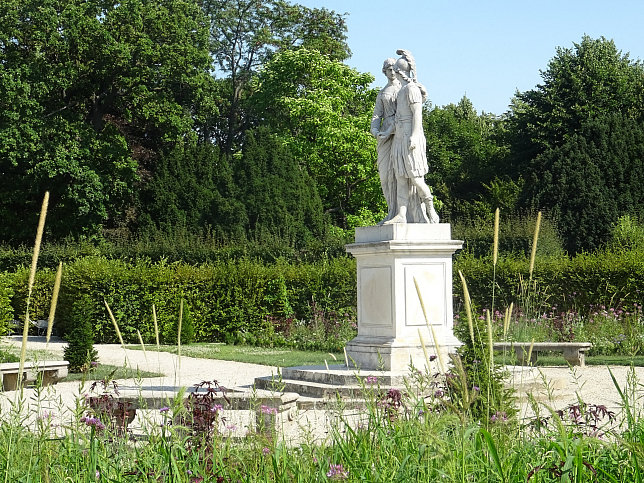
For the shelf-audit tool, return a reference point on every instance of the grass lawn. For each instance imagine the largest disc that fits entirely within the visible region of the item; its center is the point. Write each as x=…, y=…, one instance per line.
x=556, y=359
x=106, y=371
x=282, y=357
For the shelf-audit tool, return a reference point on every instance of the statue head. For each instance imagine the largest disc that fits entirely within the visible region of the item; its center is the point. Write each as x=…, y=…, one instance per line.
x=405, y=65
x=388, y=68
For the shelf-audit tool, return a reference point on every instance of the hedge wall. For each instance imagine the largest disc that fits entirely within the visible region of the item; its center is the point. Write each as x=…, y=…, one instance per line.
x=227, y=297
x=607, y=278
x=223, y=298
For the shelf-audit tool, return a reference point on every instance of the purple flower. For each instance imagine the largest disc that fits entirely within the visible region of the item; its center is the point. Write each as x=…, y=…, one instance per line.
x=372, y=379
x=499, y=416
x=337, y=472
x=268, y=410
x=215, y=408
x=164, y=409
x=266, y=451
x=476, y=388
x=93, y=422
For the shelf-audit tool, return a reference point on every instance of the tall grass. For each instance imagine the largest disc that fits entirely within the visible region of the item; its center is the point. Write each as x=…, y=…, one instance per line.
x=30, y=286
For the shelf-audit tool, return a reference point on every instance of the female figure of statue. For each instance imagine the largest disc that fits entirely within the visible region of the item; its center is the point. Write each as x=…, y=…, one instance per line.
x=382, y=128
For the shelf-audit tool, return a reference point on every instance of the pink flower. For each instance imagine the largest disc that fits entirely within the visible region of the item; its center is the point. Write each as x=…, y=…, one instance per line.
x=337, y=472
x=268, y=410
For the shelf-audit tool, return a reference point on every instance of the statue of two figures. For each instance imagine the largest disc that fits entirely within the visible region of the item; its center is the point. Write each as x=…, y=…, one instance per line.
x=402, y=159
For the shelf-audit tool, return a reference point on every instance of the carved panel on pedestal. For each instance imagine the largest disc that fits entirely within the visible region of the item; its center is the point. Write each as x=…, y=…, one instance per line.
x=431, y=281
x=376, y=307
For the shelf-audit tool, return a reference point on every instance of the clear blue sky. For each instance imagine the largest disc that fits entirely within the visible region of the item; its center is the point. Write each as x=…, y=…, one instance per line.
x=483, y=49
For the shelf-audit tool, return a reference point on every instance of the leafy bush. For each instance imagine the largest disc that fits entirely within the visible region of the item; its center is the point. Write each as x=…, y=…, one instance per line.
x=627, y=234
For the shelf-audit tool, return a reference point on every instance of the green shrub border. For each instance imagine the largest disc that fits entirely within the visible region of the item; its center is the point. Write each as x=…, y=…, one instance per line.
x=242, y=295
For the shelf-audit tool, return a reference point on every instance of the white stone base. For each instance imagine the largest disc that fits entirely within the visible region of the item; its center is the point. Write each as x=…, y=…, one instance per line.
x=391, y=261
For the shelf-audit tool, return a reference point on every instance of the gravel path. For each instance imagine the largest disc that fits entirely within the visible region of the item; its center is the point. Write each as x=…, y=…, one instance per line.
x=593, y=384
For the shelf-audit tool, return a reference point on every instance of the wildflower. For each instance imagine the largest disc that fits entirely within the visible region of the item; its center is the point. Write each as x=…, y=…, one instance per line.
x=476, y=388
x=439, y=393
x=266, y=451
x=231, y=427
x=164, y=409
x=93, y=364
x=499, y=416
x=432, y=358
x=215, y=408
x=268, y=410
x=372, y=379
x=93, y=422
x=337, y=472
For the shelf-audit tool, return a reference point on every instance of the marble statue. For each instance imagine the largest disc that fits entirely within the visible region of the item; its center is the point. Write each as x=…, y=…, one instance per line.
x=404, y=152
x=382, y=128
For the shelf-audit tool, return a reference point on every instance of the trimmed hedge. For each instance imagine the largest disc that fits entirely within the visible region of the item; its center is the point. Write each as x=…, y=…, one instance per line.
x=223, y=298
x=610, y=278
x=243, y=295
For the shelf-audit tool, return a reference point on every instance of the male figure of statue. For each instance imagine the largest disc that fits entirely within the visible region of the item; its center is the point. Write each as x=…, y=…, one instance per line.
x=408, y=156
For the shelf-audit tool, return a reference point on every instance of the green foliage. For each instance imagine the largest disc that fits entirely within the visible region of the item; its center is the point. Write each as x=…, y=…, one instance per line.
x=226, y=298
x=187, y=328
x=627, y=234
x=464, y=152
x=577, y=140
x=605, y=278
x=6, y=310
x=515, y=236
x=192, y=191
x=280, y=198
x=90, y=94
x=80, y=352
x=322, y=110
x=476, y=381
x=245, y=34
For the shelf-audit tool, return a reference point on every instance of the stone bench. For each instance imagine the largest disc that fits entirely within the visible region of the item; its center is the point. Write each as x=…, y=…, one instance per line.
x=573, y=352
x=49, y=372
x=270, y=409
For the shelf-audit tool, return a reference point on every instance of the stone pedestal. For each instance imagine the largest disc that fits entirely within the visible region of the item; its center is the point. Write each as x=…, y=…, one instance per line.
x=390, y=317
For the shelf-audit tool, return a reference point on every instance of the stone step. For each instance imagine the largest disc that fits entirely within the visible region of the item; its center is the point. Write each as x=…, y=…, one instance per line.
x=309, y=388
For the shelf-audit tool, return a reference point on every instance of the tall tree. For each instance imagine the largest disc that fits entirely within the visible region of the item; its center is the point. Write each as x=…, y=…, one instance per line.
x=553, y=131
x=280, y=198
x=91, y=92
x=245, y=34
x=464, y=152
x=322, y=110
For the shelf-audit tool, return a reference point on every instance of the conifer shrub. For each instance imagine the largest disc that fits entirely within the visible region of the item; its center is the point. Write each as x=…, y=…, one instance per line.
x=6, y=310
x=80, y=352
x=187, y=328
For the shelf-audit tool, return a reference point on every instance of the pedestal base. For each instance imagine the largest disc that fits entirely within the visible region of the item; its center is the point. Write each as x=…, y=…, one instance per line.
x=378, y=353
x=397, y=265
